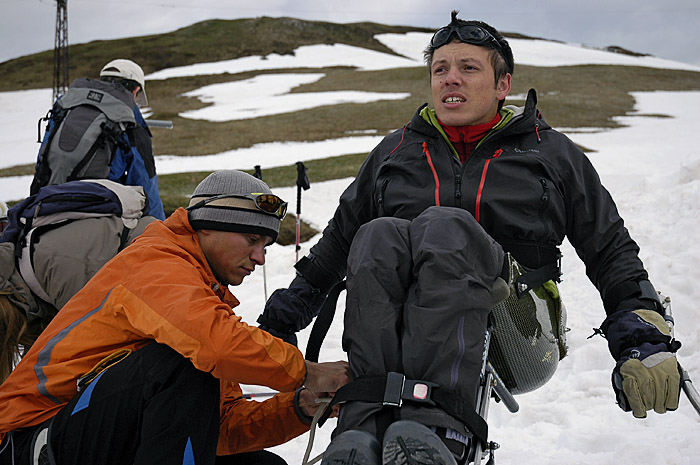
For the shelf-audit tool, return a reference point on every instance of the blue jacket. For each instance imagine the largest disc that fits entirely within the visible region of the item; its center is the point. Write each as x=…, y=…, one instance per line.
x=136, y=167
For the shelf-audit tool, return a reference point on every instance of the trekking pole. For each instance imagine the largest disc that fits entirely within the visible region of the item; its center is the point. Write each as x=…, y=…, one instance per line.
x=686, y=383
x=258, y=174
x=302, y=183
x=253, y=395
x=159, y=123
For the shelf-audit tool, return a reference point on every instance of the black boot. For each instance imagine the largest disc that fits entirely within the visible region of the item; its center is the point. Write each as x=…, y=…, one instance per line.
x=410, y=443
x=353, y=447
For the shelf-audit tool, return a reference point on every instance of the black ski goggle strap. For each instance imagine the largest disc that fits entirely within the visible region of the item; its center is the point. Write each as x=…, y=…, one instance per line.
x=469, y=34
x=269, y=204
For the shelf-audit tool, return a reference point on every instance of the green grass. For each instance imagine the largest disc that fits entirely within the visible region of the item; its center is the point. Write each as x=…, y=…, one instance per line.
x=212, y=40
x=569, y=96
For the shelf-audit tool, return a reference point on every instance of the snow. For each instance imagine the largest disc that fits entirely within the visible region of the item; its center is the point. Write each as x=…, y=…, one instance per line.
x=652, y=168
x=269, y=95
x=307, y=56
x=537, y=53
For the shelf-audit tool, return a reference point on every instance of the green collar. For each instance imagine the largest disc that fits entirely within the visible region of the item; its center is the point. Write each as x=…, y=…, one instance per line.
x=428, y=114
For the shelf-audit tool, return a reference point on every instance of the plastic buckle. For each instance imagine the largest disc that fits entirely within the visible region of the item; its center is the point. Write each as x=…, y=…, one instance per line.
x=418, y=391
x=394, y=389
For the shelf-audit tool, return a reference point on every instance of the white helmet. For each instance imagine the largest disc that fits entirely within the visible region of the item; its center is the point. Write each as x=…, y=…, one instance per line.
x=127, y=69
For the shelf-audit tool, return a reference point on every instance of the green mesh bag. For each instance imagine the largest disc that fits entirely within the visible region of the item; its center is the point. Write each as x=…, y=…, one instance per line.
x=529, y=335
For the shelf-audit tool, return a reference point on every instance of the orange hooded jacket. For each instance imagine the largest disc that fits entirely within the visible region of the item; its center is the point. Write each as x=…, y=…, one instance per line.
x=162, y=289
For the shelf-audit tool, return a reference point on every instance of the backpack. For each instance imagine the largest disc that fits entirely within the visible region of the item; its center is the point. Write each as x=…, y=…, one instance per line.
x=85, y=127
x=54, y=206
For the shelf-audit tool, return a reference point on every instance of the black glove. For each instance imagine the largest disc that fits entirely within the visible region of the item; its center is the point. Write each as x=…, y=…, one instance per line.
x=290, y=310
x=647, y=375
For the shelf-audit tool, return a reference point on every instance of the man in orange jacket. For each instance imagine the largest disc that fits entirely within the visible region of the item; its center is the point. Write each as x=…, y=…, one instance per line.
x=142, y=365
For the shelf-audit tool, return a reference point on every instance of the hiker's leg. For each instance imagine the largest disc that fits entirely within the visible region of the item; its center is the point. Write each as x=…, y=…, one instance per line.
x=152, y=407
x=444, y=321
x=379, y=273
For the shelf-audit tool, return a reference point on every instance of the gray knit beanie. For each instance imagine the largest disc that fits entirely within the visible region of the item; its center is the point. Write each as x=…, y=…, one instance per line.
x=235, y=215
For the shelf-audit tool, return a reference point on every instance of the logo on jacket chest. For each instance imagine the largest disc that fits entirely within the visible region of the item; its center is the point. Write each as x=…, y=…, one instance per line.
x=518, y=150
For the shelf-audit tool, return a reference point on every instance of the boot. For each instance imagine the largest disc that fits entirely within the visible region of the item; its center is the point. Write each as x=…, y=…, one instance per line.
x=353, y=447
x=410, y=443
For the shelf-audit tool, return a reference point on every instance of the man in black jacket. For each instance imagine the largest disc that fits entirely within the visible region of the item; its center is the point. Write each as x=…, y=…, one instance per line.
x=434, y=217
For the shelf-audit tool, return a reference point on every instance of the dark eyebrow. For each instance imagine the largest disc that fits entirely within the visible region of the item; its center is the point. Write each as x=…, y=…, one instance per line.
x=467, y=60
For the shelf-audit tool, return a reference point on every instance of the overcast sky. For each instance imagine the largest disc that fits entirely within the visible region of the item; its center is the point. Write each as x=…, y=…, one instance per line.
x=667, y=29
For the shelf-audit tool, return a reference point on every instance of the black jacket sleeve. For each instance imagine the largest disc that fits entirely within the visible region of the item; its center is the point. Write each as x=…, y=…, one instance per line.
x=597, y=232
x=327, y=261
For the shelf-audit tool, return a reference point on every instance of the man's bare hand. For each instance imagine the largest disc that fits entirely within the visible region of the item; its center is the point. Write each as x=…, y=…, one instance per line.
x=309, y=403
x=324, y=379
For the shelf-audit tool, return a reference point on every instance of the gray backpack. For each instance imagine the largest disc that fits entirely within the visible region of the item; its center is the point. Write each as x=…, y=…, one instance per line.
x=85, y=127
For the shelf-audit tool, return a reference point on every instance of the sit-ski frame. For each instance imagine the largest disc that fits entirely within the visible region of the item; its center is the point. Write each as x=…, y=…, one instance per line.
x=492, y=386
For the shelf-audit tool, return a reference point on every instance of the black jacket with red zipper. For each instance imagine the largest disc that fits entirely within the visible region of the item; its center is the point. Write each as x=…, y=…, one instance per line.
x=528, y=185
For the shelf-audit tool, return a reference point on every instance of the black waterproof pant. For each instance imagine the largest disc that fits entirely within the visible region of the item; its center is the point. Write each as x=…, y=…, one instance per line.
x=418, y=299
x=152, y=407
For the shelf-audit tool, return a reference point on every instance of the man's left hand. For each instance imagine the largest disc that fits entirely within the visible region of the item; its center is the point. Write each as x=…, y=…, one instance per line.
x=309, y=403
x=647, y=375
x=651, y=383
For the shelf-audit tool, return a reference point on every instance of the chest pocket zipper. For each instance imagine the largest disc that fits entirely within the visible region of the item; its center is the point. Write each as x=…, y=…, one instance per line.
x=380, y=197
x=544, y=198
x=480, y=191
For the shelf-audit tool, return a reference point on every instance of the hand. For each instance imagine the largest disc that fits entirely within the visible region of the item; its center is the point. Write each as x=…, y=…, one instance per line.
x=324, y=379
x=651, y=383
x=309, y=403
x=647, y=375
x=290, y=310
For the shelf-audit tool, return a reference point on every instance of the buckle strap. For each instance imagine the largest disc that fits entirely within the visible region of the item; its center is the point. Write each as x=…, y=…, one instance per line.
x=535, y=278
x=398, y=389
x=393, y=389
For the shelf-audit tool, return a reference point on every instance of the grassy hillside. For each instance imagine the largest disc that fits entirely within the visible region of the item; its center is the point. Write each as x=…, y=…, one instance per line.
x=212, y=40
x=572, y=96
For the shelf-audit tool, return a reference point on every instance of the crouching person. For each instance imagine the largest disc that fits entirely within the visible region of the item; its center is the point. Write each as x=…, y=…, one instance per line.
x=142, y=366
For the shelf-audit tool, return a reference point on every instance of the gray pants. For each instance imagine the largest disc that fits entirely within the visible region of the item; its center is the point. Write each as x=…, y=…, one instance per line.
x=418, y=299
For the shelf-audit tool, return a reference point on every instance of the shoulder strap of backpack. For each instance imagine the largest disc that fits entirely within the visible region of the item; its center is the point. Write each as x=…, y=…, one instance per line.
x=26, y=269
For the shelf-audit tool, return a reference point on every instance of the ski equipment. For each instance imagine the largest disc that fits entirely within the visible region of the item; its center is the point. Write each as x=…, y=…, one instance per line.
x=258, y=174
x=302, y=183
x=686, y=383
x=159, y=123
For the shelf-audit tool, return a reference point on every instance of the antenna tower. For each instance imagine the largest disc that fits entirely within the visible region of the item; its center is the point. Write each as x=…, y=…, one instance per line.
x=60, y=51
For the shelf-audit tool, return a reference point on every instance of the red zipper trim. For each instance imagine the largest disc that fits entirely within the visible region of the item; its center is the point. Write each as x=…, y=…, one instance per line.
x=435, y=176
x=496, y=154
x=401, y=141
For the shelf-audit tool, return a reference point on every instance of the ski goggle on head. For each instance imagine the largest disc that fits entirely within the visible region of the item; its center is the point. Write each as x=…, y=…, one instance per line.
x=467, y=33
x=269, y=204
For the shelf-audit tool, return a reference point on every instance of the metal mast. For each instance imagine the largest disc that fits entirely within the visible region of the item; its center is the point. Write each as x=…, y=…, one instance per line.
x=60, y=51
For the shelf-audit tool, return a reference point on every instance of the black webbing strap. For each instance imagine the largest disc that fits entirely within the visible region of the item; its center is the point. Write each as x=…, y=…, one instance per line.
x=323, y=323
x=535, y=278
x=393, y=389
x=643, y=290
